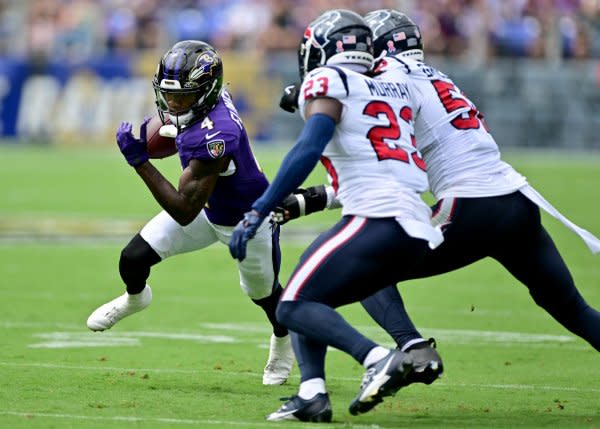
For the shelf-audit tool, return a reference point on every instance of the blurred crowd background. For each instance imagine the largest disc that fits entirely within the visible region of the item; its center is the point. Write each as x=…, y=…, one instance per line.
x=84, y=65
x=73, y=29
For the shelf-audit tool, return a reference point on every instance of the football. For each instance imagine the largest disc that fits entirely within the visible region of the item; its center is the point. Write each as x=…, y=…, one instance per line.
x=160, y=144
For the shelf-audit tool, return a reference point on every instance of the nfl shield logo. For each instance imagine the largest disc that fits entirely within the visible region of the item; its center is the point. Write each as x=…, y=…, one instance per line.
x=216, y=148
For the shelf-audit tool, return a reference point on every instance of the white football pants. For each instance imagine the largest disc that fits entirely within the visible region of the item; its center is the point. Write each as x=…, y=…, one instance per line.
x=168, y=238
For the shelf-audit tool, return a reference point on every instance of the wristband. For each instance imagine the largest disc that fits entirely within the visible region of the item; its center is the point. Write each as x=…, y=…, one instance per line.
x=301, y=204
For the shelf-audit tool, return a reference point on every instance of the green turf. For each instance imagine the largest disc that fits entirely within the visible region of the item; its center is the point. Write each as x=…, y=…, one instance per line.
x=195, y=357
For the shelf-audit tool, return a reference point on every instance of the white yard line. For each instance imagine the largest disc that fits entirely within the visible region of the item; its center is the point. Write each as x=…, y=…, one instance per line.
x=80, y=339
x=245, y=333
x=188, y=422
x=438, y=384
x=249, y=328
x=165, y=420
x=76, y=336
x=465, y=334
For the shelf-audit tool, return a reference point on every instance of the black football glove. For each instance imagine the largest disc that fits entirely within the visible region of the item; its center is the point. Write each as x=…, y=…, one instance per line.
x=289, y=208
x=289, y=98
x=301, y=203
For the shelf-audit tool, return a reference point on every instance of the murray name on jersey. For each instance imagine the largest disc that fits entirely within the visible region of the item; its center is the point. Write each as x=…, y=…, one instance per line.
x=383, y=88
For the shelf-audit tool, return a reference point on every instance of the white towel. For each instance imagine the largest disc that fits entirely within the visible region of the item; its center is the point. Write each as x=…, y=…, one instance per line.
x=590, y=239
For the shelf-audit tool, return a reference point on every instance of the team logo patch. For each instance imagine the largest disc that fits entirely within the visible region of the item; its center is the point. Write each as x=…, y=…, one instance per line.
x=205, y=64
x=216, y=148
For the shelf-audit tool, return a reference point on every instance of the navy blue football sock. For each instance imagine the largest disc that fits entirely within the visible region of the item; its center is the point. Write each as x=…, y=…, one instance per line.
x=269, y=305
x=586, y=324
x=387, y=309
x=322, y=323
x=310, y=355
x=575, y=314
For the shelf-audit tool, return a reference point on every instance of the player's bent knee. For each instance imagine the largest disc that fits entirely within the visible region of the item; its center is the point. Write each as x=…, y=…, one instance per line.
x=259, y=292
x=136, y=259
x=138, y=251
x=285, y=312
x=257, y=283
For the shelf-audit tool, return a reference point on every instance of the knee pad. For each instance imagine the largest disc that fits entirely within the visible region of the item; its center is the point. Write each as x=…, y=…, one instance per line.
x=135, y=262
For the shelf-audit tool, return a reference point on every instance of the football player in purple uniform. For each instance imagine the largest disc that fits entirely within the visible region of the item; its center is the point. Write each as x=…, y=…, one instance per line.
x=219, y=182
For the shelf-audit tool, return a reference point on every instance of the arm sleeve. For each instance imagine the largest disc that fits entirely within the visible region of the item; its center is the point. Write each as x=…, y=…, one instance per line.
x=298, y=163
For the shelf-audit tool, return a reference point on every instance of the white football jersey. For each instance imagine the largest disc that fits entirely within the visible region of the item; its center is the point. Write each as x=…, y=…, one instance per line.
x=462, y=157
x=371, y=159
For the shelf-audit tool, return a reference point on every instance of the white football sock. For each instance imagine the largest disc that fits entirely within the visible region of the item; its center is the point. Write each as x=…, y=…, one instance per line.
x=135, y=298
x=375, y=355
x=412, y=343
x=309, y=388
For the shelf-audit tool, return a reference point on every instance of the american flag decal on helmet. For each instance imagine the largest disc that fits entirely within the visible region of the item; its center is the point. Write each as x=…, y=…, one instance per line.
x=399, y=36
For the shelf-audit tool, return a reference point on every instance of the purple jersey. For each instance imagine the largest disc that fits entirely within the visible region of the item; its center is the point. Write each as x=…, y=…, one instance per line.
x=222, y=134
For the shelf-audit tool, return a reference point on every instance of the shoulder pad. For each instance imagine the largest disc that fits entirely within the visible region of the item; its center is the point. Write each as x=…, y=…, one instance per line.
x=329, y=81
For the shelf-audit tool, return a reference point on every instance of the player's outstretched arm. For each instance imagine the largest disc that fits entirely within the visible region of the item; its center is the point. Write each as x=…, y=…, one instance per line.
x=294, y=169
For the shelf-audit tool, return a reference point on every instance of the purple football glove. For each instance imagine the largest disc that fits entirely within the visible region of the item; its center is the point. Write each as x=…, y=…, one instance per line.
x=134, y=150
x=244, y=231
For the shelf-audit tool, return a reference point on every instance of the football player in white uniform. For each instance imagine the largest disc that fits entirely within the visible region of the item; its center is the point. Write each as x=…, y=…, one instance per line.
x=484, y=206
x=361, y=130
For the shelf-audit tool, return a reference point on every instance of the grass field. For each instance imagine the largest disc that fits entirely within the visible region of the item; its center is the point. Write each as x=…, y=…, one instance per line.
x=194, y=358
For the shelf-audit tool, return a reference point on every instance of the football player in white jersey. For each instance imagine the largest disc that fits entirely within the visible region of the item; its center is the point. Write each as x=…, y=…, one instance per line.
x=486, y=208
x=361, y=129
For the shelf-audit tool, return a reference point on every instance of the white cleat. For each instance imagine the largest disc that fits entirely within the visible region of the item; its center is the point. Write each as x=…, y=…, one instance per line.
x=281, y=360
x=107, y=315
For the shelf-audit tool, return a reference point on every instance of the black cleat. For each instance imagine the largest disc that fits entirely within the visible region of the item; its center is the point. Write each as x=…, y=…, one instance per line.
x=382, y=379
x=427, y=363
x=316, y=409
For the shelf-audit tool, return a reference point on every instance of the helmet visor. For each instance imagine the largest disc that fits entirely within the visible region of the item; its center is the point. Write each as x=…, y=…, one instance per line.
x=177, y=101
